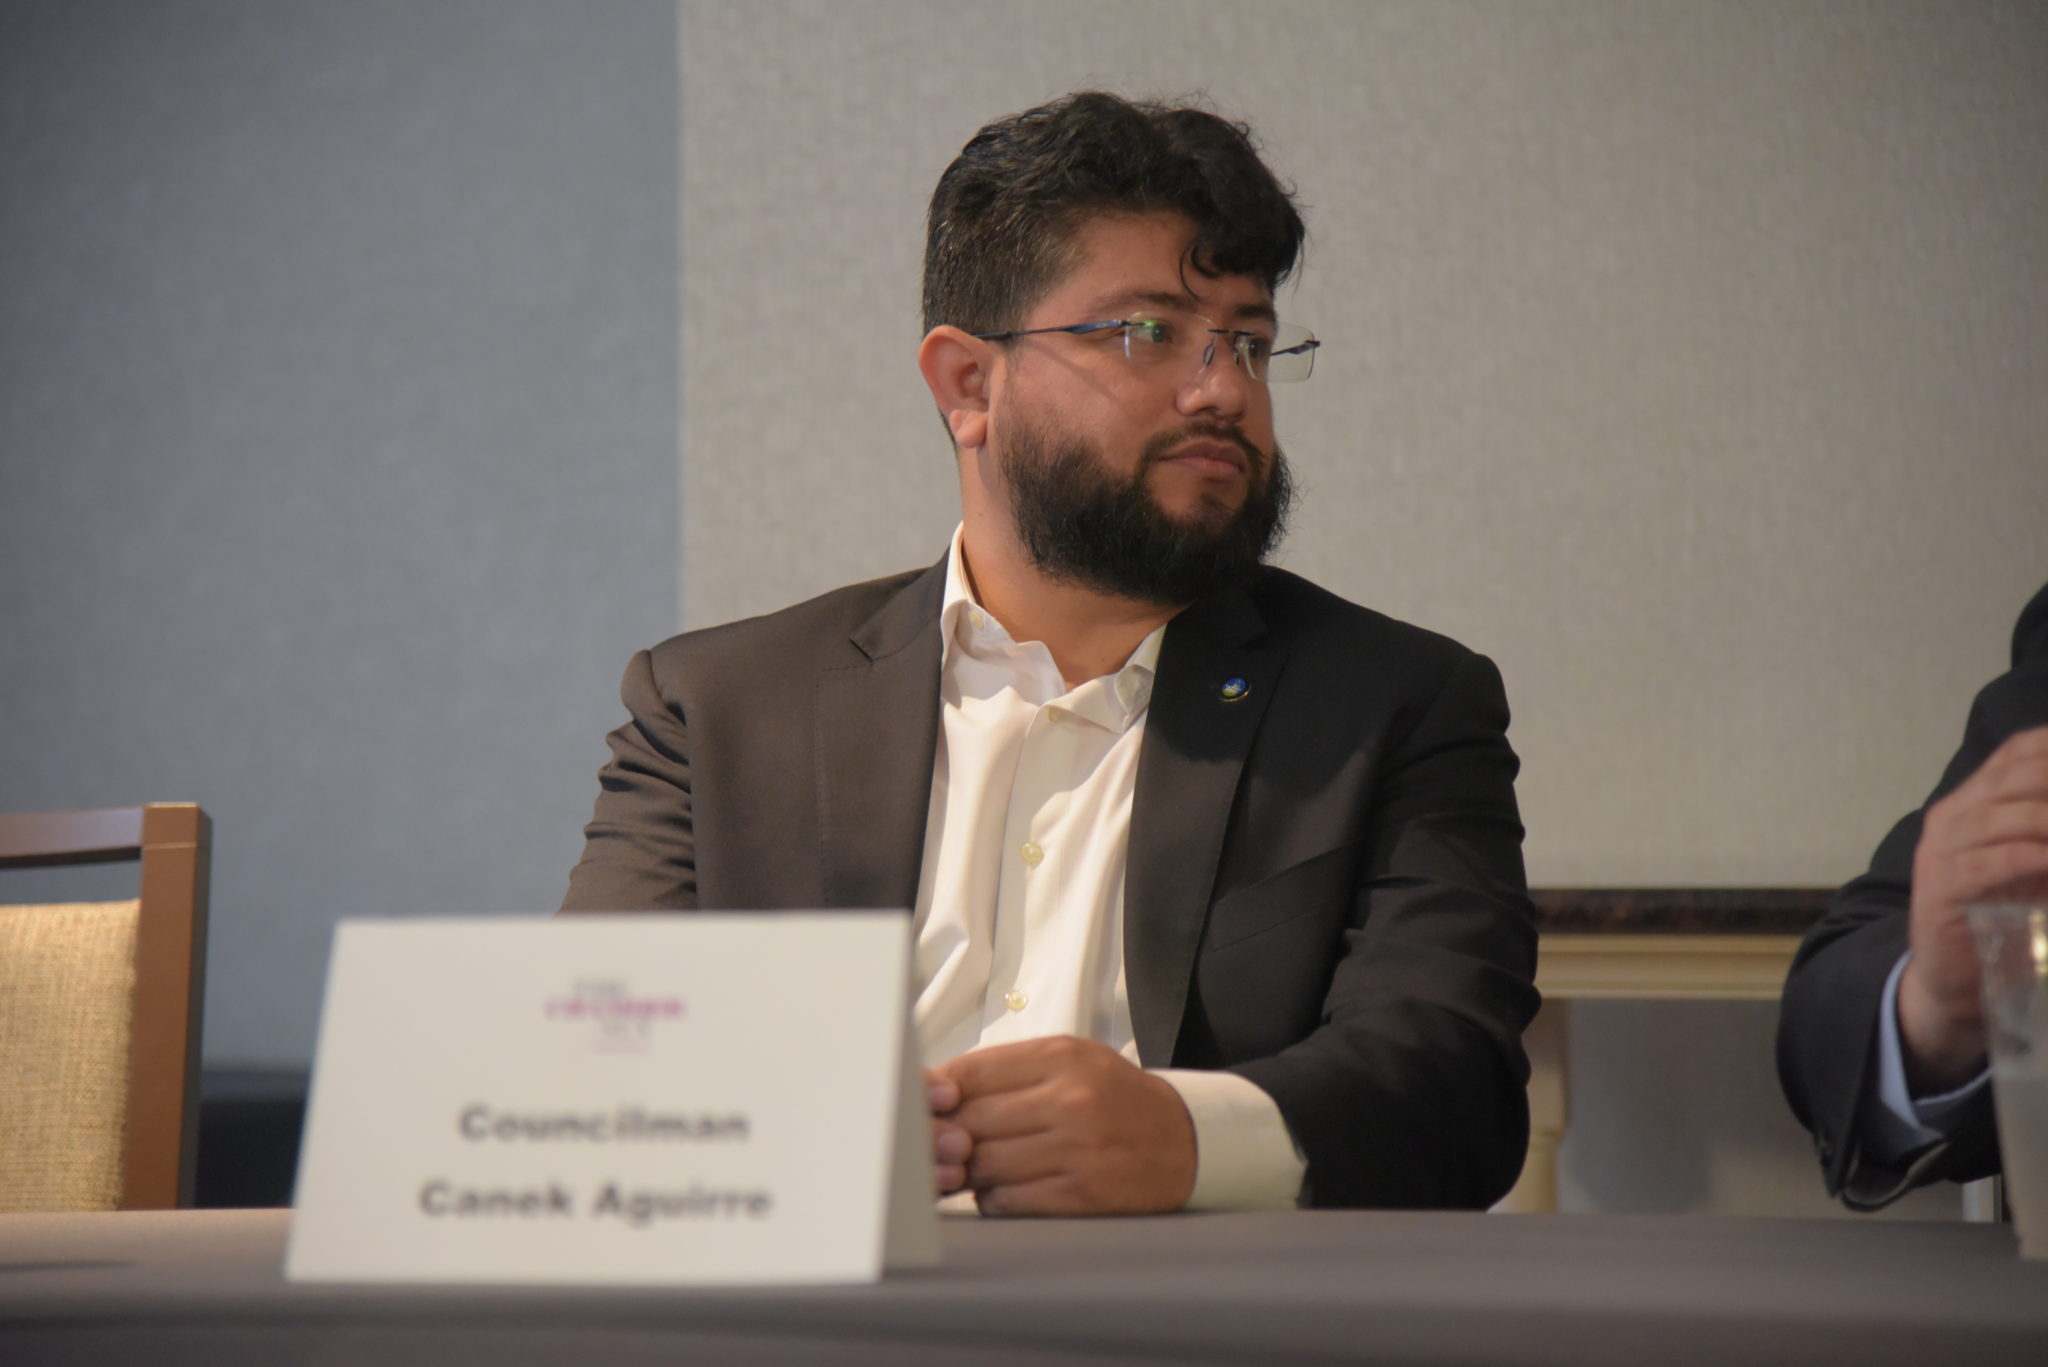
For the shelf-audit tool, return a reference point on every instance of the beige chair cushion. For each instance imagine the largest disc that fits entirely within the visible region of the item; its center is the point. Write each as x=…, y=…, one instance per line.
x=66, y=977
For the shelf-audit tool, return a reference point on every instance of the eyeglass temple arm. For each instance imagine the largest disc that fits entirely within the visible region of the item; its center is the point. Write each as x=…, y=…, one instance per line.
x=1076, y=328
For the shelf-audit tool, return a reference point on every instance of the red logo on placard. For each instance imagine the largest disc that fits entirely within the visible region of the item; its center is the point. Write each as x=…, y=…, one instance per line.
x=622, y=1020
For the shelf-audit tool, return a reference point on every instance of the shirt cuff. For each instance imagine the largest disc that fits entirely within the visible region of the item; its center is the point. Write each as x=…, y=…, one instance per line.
x=1244, y=1157
x=1895, y=1122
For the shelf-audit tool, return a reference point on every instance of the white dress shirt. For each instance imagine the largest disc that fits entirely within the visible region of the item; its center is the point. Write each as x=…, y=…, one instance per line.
x=1020, y=900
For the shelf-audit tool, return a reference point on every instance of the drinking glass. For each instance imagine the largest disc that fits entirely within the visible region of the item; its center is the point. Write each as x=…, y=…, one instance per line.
x=2012, y=946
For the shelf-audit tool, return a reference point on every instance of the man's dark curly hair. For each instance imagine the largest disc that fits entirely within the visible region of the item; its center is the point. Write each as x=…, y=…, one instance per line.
x=1005, y=214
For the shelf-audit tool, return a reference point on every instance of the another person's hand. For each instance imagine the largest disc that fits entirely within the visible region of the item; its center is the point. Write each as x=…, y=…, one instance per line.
x=1068, y=1126
x=1986, y=841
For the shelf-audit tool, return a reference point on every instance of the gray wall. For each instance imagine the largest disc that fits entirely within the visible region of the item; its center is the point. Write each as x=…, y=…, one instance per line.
x=338, y=385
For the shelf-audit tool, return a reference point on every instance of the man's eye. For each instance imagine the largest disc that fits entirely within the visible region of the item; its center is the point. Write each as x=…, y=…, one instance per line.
x=1256, y=347
x=1149, y=331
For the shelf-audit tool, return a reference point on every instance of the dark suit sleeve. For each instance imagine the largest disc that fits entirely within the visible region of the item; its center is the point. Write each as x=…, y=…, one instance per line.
x=639, y=850
x=1411, y=1089
x=1827, y=1028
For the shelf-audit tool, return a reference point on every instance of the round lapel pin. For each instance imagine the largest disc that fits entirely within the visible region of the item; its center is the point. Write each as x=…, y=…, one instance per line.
x=1231, y=690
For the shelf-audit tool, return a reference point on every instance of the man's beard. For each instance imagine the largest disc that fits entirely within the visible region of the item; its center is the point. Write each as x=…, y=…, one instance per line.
x=1081, y=525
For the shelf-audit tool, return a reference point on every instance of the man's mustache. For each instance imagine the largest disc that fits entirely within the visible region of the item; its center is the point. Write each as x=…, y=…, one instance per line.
x=1255, y=460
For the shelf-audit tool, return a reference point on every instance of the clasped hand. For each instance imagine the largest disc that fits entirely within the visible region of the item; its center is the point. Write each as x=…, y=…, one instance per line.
x=1059, y=1126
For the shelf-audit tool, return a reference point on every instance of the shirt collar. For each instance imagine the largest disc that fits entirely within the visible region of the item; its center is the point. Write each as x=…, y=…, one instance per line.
x=957, y=602
x=1114, y=700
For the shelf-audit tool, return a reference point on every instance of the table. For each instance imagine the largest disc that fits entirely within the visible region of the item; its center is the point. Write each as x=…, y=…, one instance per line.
x=1654, y=944
x=204, y=1287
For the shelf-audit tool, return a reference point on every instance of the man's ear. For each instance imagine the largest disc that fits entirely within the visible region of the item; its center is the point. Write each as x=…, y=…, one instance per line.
x=957, y=369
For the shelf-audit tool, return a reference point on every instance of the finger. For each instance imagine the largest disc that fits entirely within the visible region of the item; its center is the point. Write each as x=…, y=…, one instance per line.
x=2011, y=870
x=1989, y=808
x=1007, y=1115
x=950, y=1142
x=1999, y=823
x=941, y=1093
x=2019, y=761
x=1009, y=1067
x=2023, y=745
x=2019, y=767
x=951, y=1146
x=2019, y=779
x=1007, y=1162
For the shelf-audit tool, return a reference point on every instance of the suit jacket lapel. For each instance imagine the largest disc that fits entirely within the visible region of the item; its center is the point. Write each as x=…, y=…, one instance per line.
x=1196, y=740
x=877, y=732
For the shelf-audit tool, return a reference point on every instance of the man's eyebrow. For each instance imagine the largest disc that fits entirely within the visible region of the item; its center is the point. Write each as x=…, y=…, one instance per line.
x=1124, y=300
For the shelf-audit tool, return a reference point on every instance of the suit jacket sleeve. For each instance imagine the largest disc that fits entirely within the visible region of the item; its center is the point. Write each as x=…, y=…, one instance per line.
x=1827, y=1030
x=639, y=850
x=1409, y=1090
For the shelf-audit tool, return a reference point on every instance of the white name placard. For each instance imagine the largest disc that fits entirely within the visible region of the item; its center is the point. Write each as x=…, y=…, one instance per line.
x=695, y=1099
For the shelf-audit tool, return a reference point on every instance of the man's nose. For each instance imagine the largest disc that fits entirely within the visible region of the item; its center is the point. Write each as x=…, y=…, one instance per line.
x=1219, y=383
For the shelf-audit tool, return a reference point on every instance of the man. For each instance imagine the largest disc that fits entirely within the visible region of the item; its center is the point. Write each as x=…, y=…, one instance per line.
x=1881, y=1043
x=1152, y=803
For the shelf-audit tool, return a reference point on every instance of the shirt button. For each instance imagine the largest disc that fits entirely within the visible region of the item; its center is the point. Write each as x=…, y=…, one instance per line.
x=1031, y=854
x=1015, y=1000
x=976, y=620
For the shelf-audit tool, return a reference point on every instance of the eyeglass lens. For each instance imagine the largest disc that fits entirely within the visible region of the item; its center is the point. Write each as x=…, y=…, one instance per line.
x=1277, y=355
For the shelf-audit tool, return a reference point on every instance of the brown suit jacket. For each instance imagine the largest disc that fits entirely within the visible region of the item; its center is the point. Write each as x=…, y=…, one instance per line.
x=1324, y=889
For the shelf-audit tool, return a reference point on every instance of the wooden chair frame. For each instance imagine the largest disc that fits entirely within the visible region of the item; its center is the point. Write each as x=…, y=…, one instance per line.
x=174, y=843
